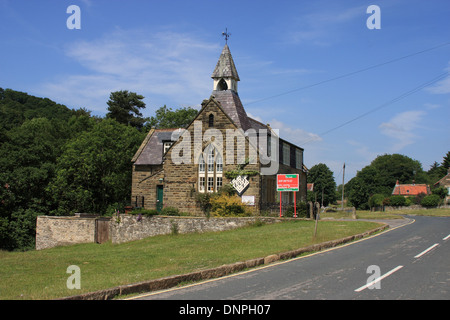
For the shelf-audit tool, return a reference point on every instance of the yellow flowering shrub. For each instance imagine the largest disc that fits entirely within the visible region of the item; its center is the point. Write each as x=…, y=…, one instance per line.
x=224, y=205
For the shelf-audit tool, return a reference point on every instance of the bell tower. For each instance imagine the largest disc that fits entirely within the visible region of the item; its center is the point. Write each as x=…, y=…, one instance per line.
x=225, y=75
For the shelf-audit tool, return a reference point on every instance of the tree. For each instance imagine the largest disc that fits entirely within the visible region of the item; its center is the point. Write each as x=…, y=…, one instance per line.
x=124, y=106
x=167, y=118
x=381, y=175
x=437, y=171
x=94, y=169
x=27, y=165
x=446, y=161
x=359, y=193
x=323, y=180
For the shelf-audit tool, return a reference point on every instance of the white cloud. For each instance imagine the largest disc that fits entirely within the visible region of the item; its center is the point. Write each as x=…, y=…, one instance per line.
x=294, y=135
x=363, y=150
x=402, y=129
x=319, y=28
x=167, y=65
x=443, y=86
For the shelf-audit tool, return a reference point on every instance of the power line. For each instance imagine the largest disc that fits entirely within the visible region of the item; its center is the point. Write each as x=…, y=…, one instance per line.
x=400, y=97
x=351, y=73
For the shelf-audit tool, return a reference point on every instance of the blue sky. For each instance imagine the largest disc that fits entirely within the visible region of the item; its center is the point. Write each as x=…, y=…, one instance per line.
x=312, y=69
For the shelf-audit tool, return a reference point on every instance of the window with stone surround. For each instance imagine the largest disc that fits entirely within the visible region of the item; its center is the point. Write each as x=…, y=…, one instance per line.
x=210, y=172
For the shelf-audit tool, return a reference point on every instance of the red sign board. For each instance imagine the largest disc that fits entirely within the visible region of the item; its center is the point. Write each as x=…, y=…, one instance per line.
x=287, y=182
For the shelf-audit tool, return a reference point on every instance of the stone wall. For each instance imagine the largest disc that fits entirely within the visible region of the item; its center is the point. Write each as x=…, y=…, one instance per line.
x=128, y=228
x=60, y=231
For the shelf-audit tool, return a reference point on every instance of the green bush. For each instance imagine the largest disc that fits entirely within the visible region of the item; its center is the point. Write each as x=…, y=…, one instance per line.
x=441, y=192
x=431, y=200
x=145, y=212
x=376, y=200
x=302, y=210
x=410, y=201
x=397, y=201
x=170, y=211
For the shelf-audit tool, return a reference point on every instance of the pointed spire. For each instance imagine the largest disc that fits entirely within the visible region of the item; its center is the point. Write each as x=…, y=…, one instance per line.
x=225, y=67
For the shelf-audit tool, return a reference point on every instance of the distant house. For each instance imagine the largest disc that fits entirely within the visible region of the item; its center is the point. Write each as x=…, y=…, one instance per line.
x=410, y=189
x=310, y=187
x=445, y=182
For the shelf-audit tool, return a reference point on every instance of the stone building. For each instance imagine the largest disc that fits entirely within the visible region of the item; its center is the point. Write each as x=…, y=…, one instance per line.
x=222, y=145
x=445, y=183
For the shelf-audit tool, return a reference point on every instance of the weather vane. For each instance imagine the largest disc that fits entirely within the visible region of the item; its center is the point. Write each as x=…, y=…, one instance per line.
x=226, y=35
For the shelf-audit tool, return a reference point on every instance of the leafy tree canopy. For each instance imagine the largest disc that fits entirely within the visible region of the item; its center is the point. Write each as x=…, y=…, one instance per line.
x=124, y=107
x=167, y=118
x=323, y=179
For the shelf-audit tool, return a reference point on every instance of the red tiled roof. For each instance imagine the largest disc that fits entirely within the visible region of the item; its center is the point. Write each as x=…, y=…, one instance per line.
x=410, y=189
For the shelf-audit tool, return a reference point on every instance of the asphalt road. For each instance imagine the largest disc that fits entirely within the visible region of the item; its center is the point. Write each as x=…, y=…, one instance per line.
x=411, y=261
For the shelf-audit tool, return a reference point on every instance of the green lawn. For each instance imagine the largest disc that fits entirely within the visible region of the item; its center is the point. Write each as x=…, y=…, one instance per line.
x=397, y=214
x=42, y=274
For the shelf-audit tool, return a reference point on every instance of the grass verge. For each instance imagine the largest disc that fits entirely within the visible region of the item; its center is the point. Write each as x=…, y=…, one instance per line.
x=42, y=274
x=379, y=215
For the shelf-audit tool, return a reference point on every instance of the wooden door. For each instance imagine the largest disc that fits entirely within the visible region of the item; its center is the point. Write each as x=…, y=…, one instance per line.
x=102, y=230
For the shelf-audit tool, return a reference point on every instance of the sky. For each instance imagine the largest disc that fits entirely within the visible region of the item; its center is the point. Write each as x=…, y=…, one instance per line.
x=319, y=71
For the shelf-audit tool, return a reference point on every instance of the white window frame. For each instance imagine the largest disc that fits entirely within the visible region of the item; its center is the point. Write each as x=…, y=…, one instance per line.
x=201, y=175
x=210, y=173
x=166, y=146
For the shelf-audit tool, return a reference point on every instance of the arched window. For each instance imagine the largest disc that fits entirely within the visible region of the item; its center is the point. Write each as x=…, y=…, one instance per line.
x=211, y=120
x=201, y=174
x=222, y=85
x=210, y=172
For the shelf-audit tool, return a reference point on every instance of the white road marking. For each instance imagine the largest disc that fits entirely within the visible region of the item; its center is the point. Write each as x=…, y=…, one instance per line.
x=446, y=237
x=378, y=279
x=425, y=251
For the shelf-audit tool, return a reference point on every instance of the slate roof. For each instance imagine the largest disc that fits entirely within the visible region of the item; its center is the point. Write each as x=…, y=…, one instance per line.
x=225, y=67
x=151, y=149
x=232, y=105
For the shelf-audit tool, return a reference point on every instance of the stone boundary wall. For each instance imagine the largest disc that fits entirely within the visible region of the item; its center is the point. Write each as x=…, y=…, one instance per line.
x=130, y=227
x=52, y=231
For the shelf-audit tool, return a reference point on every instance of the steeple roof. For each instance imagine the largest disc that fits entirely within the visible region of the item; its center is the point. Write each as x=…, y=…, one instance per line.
x=232, y=105
x=225, y=67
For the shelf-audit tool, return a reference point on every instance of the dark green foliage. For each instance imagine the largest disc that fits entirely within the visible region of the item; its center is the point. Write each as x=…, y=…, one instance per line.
x=145, y=212
x=323, y=180
x=57, y=161
x=397, y=201
x=359, y=193
x=167, y=118
x=94, y=169
x=380, y=177
x=302, y=210
x=376, y=200
x=124, y=107
x=170, y=211
x=441, y=192
x=431, y=201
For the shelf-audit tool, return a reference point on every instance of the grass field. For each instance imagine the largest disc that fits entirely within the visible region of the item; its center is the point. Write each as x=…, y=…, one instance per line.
x=396, y=214
x=42, y=274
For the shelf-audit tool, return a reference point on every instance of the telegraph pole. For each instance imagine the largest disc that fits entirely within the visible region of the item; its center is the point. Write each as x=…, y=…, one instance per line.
x=343, y=174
